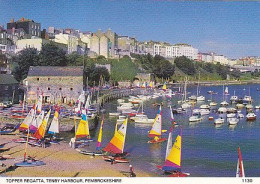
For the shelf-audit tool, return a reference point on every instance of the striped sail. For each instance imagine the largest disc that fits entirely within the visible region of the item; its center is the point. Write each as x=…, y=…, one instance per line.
x=83, y=128
x=27, y=121
x=169, y=144
x=40, y=133
x=37, y=122
x=157, y=125
x=54, y=127
x=240, y=166
x=173, y=160
x=117, y=143
x=98, y=146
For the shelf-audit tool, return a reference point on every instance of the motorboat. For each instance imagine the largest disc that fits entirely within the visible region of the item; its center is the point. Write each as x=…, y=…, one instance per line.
x=193, y=97
x=232, y=121
x=247, y=99
x=213, y=104
x=231, y=115
x=241, y=116
x=219, y=121
x=251, y=116
x=240, y=106
x=142, y=118
x=233, y=98
x=204, y=111
x=196, y=111
x=249, y=106
x=200, y=98
x=185, y=105
x=224, y=103
x=195, y=118
x=222, y=110
x=231, y=110
x=204, y=106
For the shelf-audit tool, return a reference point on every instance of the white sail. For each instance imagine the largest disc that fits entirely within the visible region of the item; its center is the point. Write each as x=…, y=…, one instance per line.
x=38, y=121
x=54, y=127
x=169, y=145
x=39, y=104
x=172, y=118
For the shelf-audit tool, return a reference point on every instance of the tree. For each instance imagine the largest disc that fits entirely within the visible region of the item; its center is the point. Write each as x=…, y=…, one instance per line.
x=52, y=55
x=186, y=65
x=162, y=68
x=95, y=74
x=74, y=59
x=25, y=58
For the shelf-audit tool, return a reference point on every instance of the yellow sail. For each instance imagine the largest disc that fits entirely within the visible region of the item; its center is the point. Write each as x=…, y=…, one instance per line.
x=164, y=86
x=117, y=143
x=83, y=128
x=39, y=134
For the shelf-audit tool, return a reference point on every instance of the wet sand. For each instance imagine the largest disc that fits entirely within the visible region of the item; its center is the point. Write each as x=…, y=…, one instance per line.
x=61, y=161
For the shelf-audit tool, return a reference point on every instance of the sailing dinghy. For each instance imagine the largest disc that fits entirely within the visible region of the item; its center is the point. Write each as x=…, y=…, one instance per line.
x=116, y=146
x=54, y=127
x=172, y=164
x=98, y=146
x=28, y=161
x=156, y=131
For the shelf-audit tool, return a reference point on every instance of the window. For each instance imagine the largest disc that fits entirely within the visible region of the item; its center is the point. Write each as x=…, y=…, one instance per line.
x=38, y=89
x=71, y=89
x=49, y=89
x=38, y=79
x=48, y=79
x=60, y=89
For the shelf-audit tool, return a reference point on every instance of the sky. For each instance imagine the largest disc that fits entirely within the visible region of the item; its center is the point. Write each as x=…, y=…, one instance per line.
x=228, y=28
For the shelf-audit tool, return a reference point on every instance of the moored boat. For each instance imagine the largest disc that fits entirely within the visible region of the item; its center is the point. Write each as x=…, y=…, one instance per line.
x=251, y=116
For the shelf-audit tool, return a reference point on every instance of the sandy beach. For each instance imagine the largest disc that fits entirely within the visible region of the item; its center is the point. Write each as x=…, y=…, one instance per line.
x=61, y=161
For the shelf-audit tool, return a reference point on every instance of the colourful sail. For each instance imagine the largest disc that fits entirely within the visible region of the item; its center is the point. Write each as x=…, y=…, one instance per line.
x=83, y=128
x=117, y=143
x=240, y=166
x=151, y=84
x=37, y=122
x=40, y=133
x=157, y=125
x=164, y=87
x=169, y=144
x=27, y=121
x=54, y=127
x=173, y=160
x=98, y=146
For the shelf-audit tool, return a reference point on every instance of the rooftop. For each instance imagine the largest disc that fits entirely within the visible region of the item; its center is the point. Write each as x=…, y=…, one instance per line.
x=7, y=79
x=55, y=71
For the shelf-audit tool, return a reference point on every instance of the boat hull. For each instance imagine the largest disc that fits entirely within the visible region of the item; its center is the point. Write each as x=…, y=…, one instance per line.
x=29, y=163
x=158, y=141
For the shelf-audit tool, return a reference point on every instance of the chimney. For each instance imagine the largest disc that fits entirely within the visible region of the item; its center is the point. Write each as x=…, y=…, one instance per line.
x=12, y=20
x=22, y=19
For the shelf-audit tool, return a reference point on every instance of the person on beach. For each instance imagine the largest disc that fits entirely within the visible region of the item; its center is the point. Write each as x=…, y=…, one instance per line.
x=132, y=174
x=72, y=143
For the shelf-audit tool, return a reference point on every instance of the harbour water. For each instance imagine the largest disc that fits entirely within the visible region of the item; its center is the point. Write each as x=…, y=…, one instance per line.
x=207, y=150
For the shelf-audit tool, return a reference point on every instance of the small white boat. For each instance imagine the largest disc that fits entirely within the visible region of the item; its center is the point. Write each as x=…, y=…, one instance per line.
x=240, y=106
x=231, y=110
x=213, y=104
x=120, y=100
x=231, y=115
x=224, y=103
x=247, y=99
x=200, y=98
x=257, y=107
x=121, y=119
x=233, y=98
x=233, y=121
x=251, y=116
x=195, y=118
x=219, y=121
x=204, y=106
x=114, y=114
x=204, y=111
x=193, y=97
x=241, y=116
x=196, y=111
x=142, y=118
x=222, y=110
x=249, y=106
x=185, y=105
